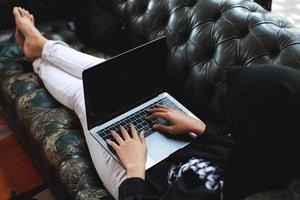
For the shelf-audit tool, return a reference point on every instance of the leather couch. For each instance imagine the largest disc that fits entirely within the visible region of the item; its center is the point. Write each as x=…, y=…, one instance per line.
x=204, y=37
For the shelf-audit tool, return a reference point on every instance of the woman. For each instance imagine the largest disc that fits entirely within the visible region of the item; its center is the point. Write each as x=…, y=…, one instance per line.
x=260, y=106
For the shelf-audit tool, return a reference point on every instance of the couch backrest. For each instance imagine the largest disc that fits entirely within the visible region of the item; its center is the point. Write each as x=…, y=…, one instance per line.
x=207, y=37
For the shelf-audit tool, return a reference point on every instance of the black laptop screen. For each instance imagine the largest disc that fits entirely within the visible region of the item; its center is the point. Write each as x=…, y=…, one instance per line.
x=122, y=82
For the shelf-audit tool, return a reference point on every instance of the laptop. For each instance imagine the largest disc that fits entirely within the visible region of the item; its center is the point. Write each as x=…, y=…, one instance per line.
x=121, y=89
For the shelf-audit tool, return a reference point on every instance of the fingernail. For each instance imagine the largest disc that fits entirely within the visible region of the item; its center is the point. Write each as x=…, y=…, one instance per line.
x=108, y=140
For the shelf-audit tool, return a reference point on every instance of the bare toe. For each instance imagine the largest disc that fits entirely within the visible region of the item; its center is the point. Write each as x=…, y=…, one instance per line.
x=22, y=12
x=32, y=19
x=27, y=14
x=16, y=12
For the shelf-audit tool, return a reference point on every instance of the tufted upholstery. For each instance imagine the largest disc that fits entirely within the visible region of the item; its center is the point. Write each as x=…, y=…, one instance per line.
x=51, y=133
x=205, y=38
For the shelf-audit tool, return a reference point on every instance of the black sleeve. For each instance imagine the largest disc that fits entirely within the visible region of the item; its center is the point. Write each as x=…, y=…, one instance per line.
x=135, y=189
x=184, y=188
x=189, y=186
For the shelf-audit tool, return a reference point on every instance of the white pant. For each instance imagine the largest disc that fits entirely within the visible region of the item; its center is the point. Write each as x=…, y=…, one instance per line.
x=60, y=69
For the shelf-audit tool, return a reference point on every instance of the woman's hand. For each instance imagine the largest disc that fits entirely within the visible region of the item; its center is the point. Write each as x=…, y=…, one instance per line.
x=179, y=122
x=132, y=151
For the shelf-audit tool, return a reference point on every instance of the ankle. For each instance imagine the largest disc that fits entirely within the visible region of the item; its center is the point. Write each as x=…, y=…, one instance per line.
x=33, y=47
x=41, y=43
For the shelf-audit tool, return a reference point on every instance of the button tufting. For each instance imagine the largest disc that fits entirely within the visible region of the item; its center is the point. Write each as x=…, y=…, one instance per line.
x=165, y=21
x=217, y=16
x=214, y=34
x=243, y=34
x=253, y=9
x=191, y=3
x=274, y=52
x=185, y=36
x=143, y=8
x=210, y=54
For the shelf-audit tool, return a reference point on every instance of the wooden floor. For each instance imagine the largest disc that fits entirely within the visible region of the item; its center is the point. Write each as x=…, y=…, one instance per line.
x=18, y=174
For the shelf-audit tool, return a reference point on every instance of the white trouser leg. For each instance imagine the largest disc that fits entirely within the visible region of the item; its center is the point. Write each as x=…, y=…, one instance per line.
x=68, y=90
x=68, y=59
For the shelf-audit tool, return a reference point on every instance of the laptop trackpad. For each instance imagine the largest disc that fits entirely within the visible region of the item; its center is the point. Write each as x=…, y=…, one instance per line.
x=160, y=146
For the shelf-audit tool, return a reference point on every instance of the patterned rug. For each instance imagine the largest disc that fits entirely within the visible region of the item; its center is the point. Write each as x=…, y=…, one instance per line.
x=17, y=172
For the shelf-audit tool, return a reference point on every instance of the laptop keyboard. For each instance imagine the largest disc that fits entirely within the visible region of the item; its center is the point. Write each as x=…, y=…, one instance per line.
x=137, y=119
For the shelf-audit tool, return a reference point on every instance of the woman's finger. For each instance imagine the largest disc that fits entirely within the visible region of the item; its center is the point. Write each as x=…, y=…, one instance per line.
x=163, y=106
x=154, y=110
x=162, y=128
x=142, y=137
x=157, y=115
x=113, y=144
x=124, y=133
x=133, y=132
x=117, y=137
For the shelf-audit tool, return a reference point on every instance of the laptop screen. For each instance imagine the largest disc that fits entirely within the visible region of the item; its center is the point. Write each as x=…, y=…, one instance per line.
x=121, y=83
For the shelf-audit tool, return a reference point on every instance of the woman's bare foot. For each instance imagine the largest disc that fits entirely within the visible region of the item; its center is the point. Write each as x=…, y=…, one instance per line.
x=27, y=35
x=19, y=37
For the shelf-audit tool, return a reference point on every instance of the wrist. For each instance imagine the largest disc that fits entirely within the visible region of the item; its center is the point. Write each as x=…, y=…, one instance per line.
x=198, y=127
x=136, y=172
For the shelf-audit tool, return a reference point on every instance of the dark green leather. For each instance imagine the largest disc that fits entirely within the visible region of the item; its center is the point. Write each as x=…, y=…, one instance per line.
x=52, y=131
